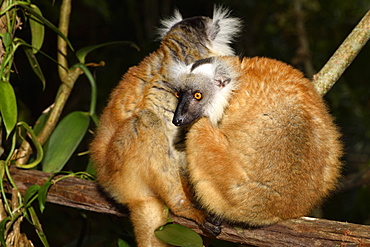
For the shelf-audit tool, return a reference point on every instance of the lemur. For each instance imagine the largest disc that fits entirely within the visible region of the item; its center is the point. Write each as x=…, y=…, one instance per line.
x=261, y=146
x=135, y=148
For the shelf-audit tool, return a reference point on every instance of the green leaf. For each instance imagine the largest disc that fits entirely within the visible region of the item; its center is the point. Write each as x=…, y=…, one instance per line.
x=91, y=79
x=42, y=193
x=122, y=243
x=7, y=40
x=179, y=235
x=64, y=141
x=30, y=192
x=34, y=64
x=2, y=230
x=8, y=106
x=90, y=168
x=46, y=22
x=2, y=168
x=82, y=53
x=24, y=43
x=37, y=30
x=36, y=223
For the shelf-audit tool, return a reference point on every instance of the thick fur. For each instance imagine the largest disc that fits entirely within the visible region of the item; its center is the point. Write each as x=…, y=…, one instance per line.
x=135, y=149
x=274, y=154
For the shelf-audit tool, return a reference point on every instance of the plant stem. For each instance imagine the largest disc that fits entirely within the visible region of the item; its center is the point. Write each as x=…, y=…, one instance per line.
x=65, y=12
x=67, y=77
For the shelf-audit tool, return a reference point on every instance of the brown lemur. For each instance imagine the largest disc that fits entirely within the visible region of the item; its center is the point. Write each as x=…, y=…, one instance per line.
x=262, y=146
x=134, y=149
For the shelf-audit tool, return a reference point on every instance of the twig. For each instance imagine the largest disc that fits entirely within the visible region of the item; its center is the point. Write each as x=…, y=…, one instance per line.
x=343, y=57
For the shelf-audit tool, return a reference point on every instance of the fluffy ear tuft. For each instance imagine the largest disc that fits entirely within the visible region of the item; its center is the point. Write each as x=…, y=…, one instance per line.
x=223, y=30
x=168, y=23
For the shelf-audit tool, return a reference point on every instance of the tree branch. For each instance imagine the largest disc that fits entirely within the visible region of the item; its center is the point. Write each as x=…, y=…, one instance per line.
x=343, y=57
x=305, y=231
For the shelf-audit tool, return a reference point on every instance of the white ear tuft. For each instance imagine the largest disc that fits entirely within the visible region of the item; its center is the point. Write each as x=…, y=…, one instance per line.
x=168, y=23
x=223, y=30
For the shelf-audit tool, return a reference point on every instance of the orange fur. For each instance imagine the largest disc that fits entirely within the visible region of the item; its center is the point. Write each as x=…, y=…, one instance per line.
x=275, y=153
x=135, y=149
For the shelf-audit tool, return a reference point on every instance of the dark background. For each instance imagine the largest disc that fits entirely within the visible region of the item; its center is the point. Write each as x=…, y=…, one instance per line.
x=270, y=30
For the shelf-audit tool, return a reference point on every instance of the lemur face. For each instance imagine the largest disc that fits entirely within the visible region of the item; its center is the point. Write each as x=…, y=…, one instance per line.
x=201, y=92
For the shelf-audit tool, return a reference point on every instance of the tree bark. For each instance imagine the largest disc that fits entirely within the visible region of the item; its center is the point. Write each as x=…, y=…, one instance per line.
x=305, y=231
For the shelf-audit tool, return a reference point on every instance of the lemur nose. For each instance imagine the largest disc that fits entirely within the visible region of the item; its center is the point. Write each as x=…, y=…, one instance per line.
x=177, y=121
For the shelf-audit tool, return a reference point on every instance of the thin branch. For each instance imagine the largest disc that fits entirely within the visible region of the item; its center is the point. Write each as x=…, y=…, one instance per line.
x=343, y=57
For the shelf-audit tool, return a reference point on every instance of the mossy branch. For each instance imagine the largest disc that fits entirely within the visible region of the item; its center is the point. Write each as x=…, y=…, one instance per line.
x=343, y=57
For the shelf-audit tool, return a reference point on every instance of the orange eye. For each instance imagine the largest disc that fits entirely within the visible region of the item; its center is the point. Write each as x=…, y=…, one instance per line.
x=197, y=96
x=177, y=95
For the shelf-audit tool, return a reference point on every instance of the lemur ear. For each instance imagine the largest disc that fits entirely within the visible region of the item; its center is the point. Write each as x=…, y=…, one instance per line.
x=221, y=76
x=221, y=81
x=222, y=30
x=168, y=23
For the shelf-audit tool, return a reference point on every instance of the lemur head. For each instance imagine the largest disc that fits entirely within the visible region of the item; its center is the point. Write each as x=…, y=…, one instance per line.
x=211, y=36
x=203, y=89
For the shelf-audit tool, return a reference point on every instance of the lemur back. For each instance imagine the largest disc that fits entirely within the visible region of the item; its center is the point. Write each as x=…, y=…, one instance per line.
x=135, y=147
x=264, y=148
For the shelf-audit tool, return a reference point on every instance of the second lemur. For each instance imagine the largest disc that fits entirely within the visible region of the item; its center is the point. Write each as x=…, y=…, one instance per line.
x=135, y=149
x=262, y=147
